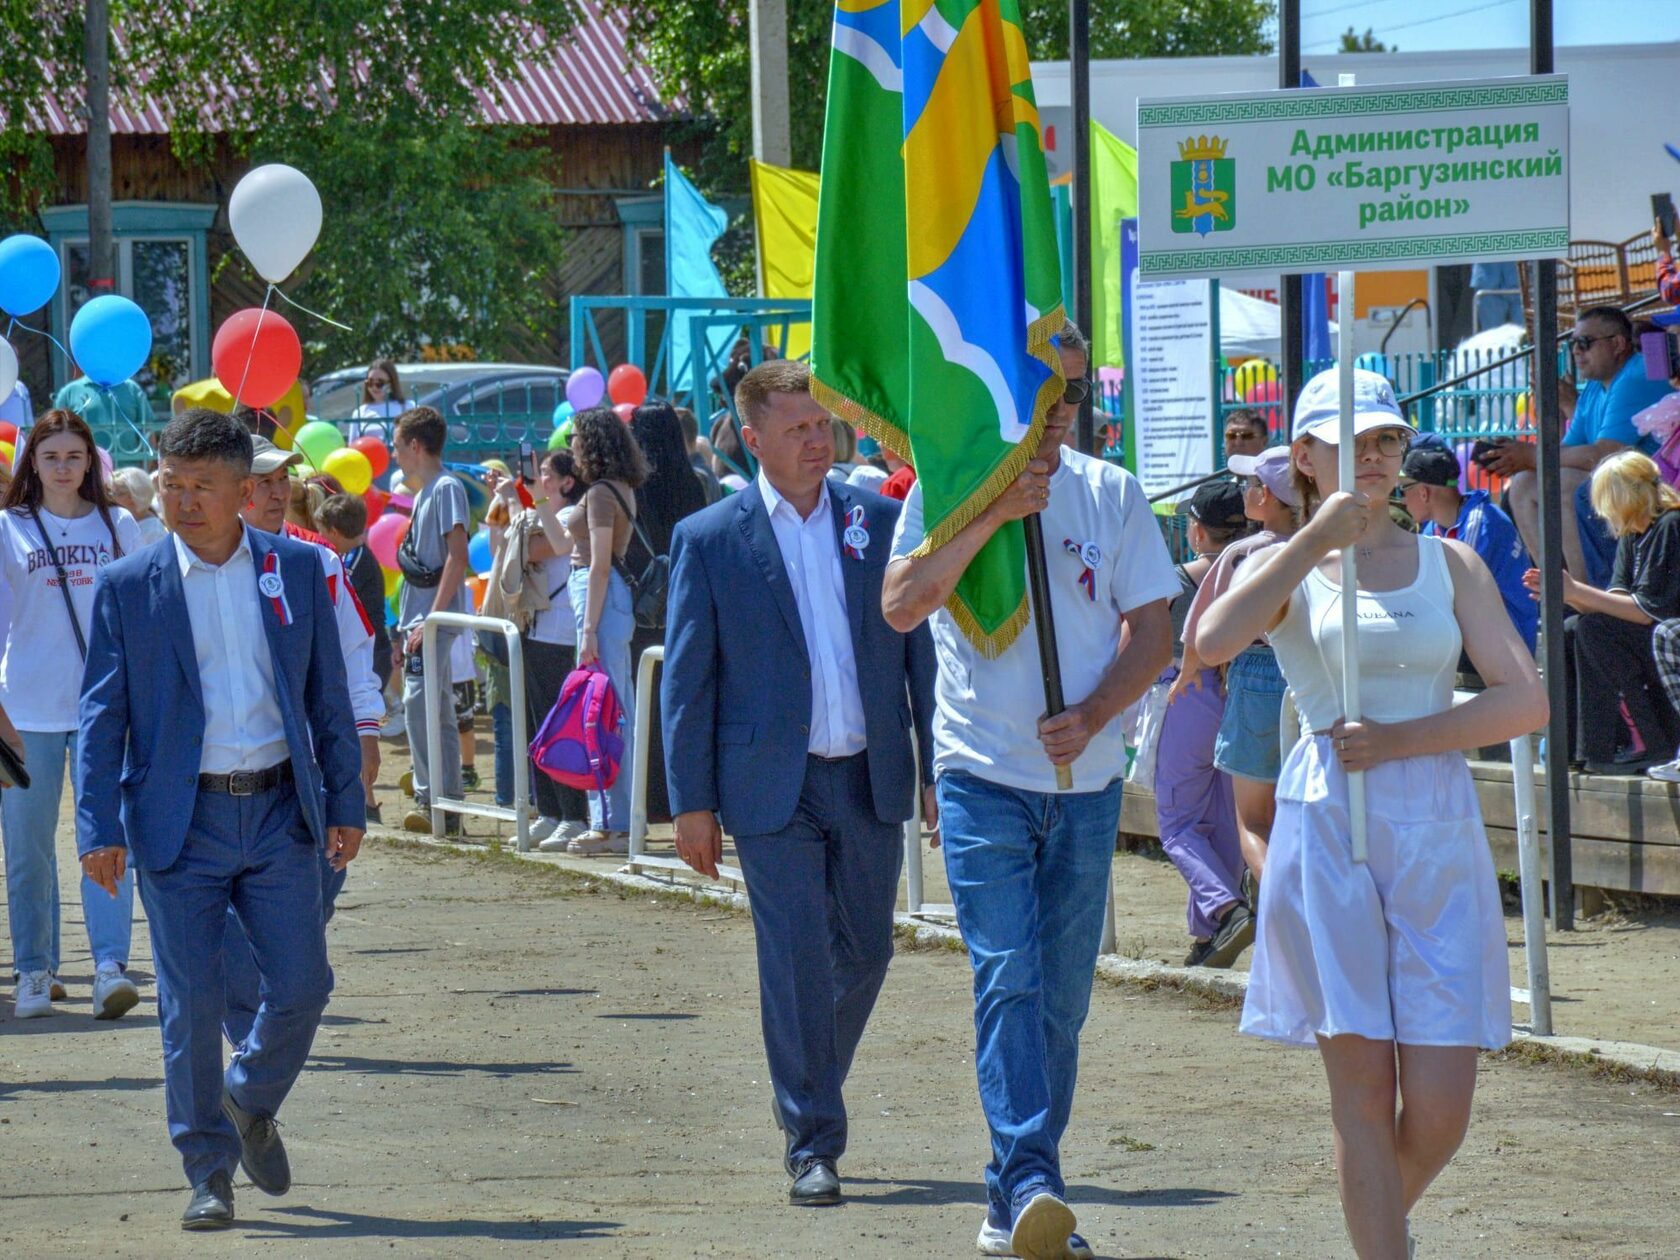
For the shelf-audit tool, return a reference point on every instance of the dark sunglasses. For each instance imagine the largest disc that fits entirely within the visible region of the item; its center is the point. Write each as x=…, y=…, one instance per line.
x=1076, y=392
x=1587, y=343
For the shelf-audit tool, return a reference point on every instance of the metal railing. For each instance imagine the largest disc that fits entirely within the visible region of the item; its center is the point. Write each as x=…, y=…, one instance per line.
x=519, y=812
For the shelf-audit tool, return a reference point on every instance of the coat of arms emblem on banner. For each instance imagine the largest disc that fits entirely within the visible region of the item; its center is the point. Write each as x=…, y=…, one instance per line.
x=1204, y=187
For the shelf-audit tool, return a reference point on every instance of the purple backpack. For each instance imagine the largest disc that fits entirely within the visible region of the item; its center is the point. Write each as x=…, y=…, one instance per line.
x=579, y=744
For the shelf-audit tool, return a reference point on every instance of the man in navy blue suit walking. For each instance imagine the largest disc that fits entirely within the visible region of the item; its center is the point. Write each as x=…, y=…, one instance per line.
x=215, y=682
x=789, y=704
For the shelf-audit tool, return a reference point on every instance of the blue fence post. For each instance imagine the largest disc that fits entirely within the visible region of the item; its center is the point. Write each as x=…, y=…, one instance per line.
x=1426, y=405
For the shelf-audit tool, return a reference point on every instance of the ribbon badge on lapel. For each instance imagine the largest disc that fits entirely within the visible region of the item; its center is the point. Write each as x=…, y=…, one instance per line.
x=855, y=535
x=273, y=589
x=1090, y=557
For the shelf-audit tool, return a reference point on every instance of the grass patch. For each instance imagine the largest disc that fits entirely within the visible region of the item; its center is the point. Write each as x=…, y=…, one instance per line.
x=1126, y=1143
x=1539, y=1054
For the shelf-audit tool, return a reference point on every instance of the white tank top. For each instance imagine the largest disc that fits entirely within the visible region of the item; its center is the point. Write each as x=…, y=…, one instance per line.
x=1409, y=645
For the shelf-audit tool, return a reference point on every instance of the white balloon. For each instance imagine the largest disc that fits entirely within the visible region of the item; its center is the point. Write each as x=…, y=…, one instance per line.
x=8, y=370
x=275, y=214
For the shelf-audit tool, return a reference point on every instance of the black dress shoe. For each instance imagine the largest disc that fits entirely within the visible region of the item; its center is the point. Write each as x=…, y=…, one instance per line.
x=261, y=1153
x=212, y=1204
x=815, y=1184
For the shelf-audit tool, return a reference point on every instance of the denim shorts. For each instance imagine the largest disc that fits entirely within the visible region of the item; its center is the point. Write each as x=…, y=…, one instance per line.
x=1247, y=743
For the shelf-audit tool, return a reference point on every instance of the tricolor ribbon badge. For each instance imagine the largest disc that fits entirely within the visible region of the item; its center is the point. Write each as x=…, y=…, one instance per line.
x=274, y=589
x=855, y=535
x=1089, y=556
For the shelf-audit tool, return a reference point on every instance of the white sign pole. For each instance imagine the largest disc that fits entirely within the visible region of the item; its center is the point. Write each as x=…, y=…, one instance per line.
x=1350, y=564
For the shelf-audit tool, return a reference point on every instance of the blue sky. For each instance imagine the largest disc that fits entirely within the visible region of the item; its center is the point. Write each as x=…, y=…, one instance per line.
x=1419, y=25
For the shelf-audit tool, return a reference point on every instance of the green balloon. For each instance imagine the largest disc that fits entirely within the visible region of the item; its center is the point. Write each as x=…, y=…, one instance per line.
x=560, y=437
x=317, y=440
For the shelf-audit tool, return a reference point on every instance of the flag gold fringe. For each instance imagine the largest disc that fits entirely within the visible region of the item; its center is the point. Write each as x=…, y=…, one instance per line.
x=1041, y=346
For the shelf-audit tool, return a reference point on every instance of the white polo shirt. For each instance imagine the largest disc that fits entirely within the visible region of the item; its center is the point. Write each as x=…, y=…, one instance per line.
x=987, y=717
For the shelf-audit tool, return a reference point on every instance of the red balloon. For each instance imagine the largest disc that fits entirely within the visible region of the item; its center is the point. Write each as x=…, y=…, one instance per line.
x=256, y=356
x=626, y=384
x=8, y=431
x=625, y=411
x=375, y=499
x=1264, y=392
x=378, y=457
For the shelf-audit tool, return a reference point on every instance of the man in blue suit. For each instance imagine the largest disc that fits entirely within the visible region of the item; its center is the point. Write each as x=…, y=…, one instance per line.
x=215, y=682
x=788, y=706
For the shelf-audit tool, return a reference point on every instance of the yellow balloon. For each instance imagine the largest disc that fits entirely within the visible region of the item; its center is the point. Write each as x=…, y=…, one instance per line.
x=8, y=452
x=393, y=582
x=350, y=467
x=1251, y=373
x=1522, y=406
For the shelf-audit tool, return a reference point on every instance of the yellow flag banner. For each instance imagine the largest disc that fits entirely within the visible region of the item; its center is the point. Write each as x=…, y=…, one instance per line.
x=785, y=215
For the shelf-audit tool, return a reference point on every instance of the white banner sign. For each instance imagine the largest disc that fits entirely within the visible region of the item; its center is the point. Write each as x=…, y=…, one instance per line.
x=1331, y=179
x=1171, y=368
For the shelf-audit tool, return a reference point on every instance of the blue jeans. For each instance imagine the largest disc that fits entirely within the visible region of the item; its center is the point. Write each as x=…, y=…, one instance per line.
x=239, y=962
x=31, y=817
x=1029, y=876
x=501, y=721
x=610, y=810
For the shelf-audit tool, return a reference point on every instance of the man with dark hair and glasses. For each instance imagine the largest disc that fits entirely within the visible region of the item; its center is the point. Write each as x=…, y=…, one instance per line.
x=1600, y=414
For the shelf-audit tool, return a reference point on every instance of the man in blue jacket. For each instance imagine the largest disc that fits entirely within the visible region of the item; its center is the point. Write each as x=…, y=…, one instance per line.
x=788, y=706
x=215, y=682
x=1429, y=489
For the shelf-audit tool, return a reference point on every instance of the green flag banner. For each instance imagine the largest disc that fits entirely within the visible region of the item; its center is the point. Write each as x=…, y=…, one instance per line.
x=938, y=286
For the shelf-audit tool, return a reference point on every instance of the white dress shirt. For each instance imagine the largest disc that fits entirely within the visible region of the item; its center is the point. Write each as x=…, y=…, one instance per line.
x=243, y=729
x=811, y=554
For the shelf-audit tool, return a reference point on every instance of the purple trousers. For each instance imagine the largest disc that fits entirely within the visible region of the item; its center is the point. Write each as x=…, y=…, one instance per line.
x=1193, y=808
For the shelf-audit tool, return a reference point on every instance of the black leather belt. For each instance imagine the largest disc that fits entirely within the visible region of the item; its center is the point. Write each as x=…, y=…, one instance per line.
x=246, y=782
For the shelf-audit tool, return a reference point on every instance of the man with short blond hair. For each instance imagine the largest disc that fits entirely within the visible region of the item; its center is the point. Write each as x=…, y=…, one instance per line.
x=788, y=704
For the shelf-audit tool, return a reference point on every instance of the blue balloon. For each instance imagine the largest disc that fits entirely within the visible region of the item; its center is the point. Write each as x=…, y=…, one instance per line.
x=562, y=413
x=28, y=274
x=478, y=552
x=110, y=339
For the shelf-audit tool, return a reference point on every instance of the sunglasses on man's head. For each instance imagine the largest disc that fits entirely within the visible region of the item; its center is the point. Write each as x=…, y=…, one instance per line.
x=1076, y=392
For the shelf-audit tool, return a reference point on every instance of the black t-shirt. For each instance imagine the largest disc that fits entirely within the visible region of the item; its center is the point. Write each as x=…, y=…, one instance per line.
x=369, y=584
x=1648, y=567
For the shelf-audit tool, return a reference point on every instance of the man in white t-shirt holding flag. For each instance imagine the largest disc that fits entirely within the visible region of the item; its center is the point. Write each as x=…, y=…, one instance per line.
x=1028, y=865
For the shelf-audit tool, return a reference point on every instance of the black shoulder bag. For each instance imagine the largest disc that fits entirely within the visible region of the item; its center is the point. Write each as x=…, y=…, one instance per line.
x=64, y=578
x=649, y=589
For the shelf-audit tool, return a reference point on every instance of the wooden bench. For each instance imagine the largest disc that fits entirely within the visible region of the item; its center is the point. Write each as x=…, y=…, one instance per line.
x=1626, y=829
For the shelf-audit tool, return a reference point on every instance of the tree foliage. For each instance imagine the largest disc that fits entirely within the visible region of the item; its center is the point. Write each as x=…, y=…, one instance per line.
x=700, y=48
x=1353, y=42
x=437, y=229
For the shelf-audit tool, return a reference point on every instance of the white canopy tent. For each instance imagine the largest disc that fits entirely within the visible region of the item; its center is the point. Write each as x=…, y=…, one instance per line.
x=1251, y=327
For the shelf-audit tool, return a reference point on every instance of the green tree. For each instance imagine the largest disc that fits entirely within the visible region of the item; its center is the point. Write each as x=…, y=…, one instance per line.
x=1353, y=42
x=700, y=49
x=37, y=34
x=437, y=230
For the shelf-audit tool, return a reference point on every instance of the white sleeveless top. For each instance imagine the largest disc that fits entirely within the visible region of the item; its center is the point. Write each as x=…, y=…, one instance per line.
x=1409, y=645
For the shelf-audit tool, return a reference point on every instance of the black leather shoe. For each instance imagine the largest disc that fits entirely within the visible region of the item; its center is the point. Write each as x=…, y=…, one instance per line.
x=212, y=1204
x=261, y=1153
x=815, y=1184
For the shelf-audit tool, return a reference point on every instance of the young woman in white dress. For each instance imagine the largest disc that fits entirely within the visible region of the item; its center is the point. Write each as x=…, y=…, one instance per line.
x=1394, y=968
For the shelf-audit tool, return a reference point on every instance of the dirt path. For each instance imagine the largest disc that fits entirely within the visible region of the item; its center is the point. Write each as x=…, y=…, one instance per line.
x=513, y=1059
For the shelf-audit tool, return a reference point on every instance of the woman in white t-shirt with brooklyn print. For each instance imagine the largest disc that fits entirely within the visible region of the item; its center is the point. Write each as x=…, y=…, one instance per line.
x=57, y=529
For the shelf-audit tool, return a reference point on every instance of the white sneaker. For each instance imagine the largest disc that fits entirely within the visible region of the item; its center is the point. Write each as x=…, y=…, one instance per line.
x=114, y=994
x=34, y=995
x=542, y=829
x=591, y=843
x=1668, y=772
x=994, y=1241
x=1042, y=1228
x=561, y=839
x=393, y=727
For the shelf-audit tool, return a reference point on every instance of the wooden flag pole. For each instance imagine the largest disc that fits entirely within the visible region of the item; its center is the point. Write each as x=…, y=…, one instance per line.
x=1049, y=661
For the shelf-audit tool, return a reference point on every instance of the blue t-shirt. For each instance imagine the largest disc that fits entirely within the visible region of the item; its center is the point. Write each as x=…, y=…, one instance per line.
x=119, y=408
x=1493, y=536
x=1602, y=413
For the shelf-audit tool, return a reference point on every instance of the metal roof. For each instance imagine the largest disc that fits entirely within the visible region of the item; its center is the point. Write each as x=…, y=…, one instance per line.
x=587, y=77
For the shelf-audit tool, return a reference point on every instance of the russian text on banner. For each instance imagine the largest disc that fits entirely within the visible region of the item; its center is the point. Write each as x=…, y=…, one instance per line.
x=938, y=285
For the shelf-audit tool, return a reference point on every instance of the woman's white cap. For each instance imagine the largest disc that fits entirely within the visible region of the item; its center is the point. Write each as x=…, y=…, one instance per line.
x=1318, y=411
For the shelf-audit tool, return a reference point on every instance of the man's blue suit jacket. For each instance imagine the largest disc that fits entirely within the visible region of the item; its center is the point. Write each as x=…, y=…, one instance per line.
x=736, y=694
x=142, y=706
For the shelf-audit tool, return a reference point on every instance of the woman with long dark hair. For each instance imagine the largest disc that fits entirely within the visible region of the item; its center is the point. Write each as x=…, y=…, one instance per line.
x=671, y=492
x=58, y=528
x=382, y=402
x=611, y=467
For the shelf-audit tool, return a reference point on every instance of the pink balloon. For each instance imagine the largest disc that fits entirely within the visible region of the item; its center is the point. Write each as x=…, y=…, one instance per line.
x=384, y=536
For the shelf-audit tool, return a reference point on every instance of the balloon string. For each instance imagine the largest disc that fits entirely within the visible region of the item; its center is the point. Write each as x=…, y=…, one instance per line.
x=41, y=332
x=251, y=353
x=300, y=306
